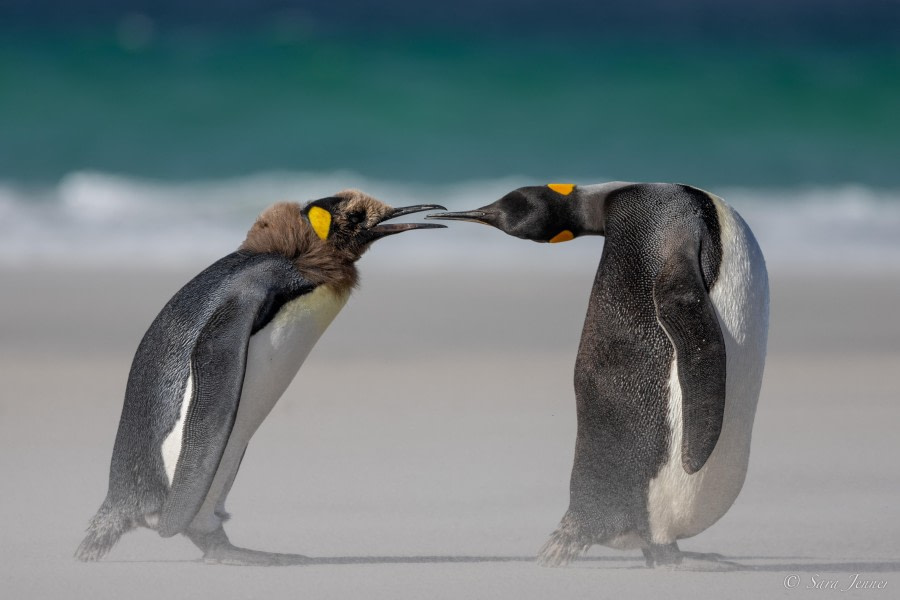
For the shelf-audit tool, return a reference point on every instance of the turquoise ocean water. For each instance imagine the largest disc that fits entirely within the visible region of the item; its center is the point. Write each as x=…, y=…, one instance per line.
x=108, y=133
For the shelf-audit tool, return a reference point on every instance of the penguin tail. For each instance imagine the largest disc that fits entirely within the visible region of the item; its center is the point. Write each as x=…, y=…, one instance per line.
x=567, y=543
x=104, y=530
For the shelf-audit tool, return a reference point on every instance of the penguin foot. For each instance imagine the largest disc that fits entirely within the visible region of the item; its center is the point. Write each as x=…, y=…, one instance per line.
x=700, y=564
x=218, y=550
x=668, y=556
x=707, y=561
x=714, y=556
x=232, y=555
x=662, y=555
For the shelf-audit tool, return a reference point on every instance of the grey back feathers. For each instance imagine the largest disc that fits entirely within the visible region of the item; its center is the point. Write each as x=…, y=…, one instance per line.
x=216, y=360
x=654, y=374
x=204, y=327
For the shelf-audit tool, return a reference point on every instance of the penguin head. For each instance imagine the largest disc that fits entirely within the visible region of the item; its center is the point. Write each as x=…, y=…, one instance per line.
x=538, y=213
x=350, y=220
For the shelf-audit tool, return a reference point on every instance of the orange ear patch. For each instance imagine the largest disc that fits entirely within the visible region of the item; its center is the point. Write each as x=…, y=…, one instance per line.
x=320, y=219
x=562, y=188
x=563, y=236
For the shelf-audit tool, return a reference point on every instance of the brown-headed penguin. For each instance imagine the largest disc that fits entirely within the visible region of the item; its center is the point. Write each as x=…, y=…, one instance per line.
x=670, y=363
x=216, y=360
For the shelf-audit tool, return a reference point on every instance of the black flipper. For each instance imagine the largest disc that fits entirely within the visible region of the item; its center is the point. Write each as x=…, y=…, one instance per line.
x=686, y=313
x=218, y=362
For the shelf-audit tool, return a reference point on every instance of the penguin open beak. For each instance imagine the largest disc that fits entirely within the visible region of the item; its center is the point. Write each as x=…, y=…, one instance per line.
x=475, y=216
x=381, y=230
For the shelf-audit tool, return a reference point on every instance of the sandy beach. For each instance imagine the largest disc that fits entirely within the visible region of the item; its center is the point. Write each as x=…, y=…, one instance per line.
x=424, y=449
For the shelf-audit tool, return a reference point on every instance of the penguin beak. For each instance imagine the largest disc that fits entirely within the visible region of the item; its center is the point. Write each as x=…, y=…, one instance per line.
x=381, y=230
x=475, y=216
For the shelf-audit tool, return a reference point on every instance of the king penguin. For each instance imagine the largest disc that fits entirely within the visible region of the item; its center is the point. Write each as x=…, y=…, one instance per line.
x=216, y=360
x=670, y=363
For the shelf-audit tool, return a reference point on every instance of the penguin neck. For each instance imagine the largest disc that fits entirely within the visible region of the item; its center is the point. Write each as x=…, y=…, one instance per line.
x=588, y=214
x=589, y=208
x=324, y=266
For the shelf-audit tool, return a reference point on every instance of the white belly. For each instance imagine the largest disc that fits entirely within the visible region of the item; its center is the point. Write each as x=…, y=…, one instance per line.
x=275, y=354
x=681, y=505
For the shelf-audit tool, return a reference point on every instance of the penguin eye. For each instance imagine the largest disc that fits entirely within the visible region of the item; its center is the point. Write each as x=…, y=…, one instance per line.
x=356, y=217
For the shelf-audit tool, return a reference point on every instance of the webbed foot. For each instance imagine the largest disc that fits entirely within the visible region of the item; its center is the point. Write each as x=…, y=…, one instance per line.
x=668, y=556
x=232, y=555
x=218, y=550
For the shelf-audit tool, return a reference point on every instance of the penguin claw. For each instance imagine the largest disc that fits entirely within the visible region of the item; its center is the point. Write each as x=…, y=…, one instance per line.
x=233, y=555
x=703, y=564
x=669, y=557
x=713, y=556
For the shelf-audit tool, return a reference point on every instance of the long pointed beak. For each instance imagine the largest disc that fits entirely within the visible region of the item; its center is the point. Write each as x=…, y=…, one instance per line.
x=381, y=230
x=408, y=210
x=476, y=216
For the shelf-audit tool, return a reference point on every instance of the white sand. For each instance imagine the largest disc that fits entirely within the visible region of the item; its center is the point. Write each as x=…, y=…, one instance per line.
x=424, y=449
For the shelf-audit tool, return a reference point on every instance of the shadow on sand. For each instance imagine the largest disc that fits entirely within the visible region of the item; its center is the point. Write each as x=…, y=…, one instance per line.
x=793, y=564
x=789, y=564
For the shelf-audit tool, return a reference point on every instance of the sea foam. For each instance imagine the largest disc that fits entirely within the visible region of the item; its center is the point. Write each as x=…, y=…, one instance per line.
x=97, y=219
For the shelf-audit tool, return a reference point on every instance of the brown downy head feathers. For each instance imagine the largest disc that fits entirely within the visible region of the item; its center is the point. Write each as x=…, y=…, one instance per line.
x=325, y=237
x=355, y=213
x=283, y=229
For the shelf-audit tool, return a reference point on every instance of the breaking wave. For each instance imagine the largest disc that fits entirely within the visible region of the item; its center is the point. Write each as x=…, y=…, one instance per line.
x=99, y=219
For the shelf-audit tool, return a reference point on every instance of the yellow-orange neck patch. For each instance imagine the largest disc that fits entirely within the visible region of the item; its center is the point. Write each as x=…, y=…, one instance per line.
x=320, y=219
x=563, y=236
x=562, y=188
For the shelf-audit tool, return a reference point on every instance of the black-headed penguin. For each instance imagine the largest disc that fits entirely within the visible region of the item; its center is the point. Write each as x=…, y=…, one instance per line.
x=670, y=362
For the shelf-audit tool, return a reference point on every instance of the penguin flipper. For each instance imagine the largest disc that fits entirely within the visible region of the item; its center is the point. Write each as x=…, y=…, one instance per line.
x=218, y=363
x=687, y=315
